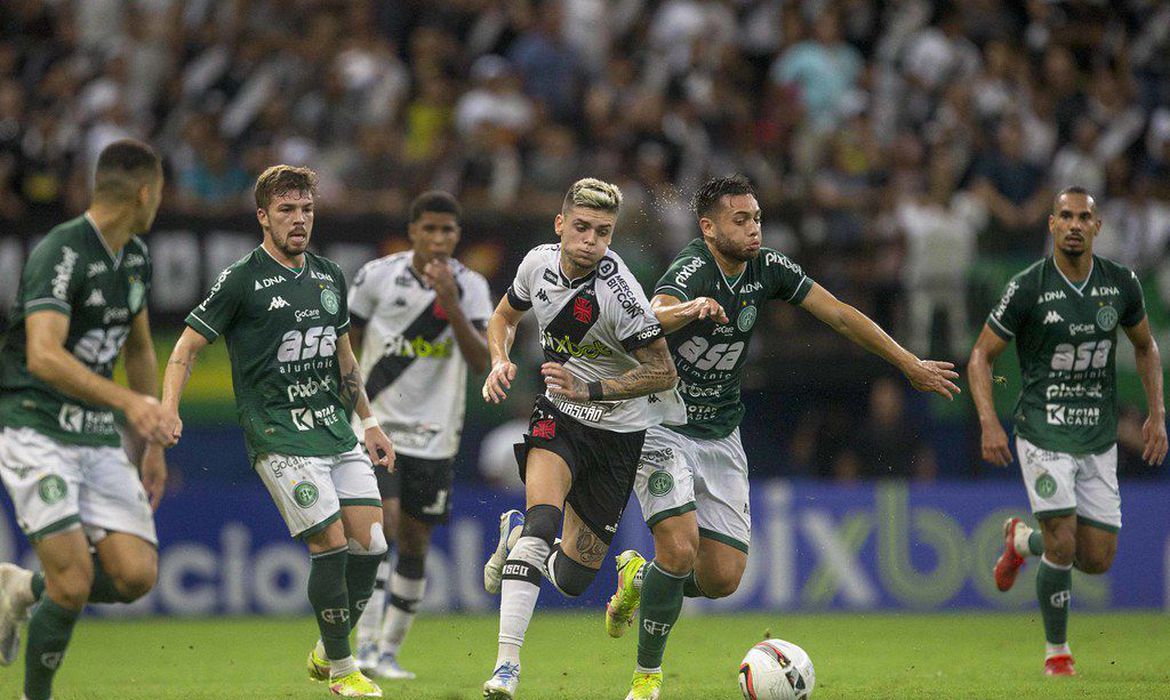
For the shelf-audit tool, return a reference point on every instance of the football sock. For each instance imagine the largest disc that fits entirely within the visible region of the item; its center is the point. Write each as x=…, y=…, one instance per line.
x=662, y=599
x=330, y=601
x=1030, y=545
x=360, y=572
x=518, y=593
x=406, y=590
x=38, y=585
x=49, y=630
x=103, y=589
x=370, y=623
x=1052, y=650
x=1053, y=589
x=1036, y=543
x=691, y=587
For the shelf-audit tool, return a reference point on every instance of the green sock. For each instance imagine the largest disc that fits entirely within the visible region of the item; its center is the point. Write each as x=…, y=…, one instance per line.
x=662, y=599
x=38, y=585
x=361, y=571
x=1036, y=543
x=1054, y=590
x=103, y=589
x=49, y=630
x=691, y=587
x=330, y=601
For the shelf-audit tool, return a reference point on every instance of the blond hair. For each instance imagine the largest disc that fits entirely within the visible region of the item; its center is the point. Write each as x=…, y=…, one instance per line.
x=592, y=193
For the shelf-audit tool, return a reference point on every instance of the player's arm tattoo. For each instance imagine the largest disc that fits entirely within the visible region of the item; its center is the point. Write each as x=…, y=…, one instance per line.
x=351, y=388
x=655, y=372
x=186, y=364
x=590, y=548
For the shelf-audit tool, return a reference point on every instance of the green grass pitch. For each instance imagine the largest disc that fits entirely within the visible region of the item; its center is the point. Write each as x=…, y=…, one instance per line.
x=568, y=657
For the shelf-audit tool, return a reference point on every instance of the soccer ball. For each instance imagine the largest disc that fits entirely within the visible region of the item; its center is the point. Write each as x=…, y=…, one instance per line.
x=776, y=670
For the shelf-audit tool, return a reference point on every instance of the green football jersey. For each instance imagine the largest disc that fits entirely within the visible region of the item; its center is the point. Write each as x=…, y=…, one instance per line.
x=281, y=327
x=1066, y=340
x=710, y=356
x=72, y=271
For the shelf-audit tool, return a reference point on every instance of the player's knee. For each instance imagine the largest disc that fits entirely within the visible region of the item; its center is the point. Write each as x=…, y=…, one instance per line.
x=720, y=584
x=1060, y=550
x=136, y=582
x=1095, y=562
x=69, y=586
x=542, y=522
x=377, y=543
x=676, y=552
x=570, y=577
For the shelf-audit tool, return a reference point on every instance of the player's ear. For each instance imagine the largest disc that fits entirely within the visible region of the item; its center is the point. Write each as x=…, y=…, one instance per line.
x=262, y=216
x=559, y=224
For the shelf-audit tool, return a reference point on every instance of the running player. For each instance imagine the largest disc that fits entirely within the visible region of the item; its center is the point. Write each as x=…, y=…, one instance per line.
x=82, y=299
x=605, y=359
x=419, y=318
x=692, y=480
x=284, y=315
x=1063, y=312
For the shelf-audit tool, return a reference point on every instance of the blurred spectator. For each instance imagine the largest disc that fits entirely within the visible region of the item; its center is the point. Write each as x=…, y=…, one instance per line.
x=823, y=70
x=1080, y=162
x=550, y=68
x=1014, y=192
x=213, y=182
x=1135, y=228
x=887, y=445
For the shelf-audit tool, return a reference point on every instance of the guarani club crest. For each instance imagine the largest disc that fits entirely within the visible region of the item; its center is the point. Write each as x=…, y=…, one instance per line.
x=329, y=300
x=306, y=494
x=1107, y=318
x=1045, y=485
x=660, y=483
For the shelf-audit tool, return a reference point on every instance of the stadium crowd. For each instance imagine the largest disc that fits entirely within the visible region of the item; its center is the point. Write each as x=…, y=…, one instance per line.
x=898, y=146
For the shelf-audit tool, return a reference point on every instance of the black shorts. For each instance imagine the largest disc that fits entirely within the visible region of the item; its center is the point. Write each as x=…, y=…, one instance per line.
x=603, y=464
x=423, y=487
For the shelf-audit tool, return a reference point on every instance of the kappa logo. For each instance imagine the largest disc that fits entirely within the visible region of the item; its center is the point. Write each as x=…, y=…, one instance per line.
x=96, y=298
x=543, y=296
x=582, y=310
x=268, y=282
x=96, y=268
x=277, y=302
x=1052, y=318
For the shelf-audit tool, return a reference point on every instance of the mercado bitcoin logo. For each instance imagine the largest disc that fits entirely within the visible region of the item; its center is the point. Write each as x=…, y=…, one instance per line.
x=305, y=494
x=51, y=488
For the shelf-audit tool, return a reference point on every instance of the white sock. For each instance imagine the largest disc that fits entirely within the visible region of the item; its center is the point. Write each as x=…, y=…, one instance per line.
x=518, y=593
x=1052, y=650
x=405, y=594
x=342, y=667
x=1020, y=541
x=370, y=623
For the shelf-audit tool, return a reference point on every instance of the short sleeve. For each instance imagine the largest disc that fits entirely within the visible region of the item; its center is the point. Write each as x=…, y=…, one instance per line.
x=1133, y=300
x=343, y=300
x=635, y=324
x=1007, y=316
x=217, y=313
x=52, y=278
x=784, y=278
x=363, y=300
x=520, y=291
x=477, y=299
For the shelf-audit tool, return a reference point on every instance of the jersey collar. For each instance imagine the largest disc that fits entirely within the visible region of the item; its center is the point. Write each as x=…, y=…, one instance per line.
x=114, y=258
x=1084, y=283
x=293, y=271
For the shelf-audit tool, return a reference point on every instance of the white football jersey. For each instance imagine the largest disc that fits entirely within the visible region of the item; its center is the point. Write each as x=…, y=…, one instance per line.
x=415, y=375
x=592, y=325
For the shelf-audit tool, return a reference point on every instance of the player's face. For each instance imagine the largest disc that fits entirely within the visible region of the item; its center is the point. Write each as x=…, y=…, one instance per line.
x=434, y=235
x=1074, y=224
x=735, y=228
x=289, y=221
x=585, y=235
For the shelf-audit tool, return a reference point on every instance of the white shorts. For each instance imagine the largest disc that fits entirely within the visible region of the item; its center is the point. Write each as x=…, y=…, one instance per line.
x=55, y=486
x=309, y=491
x=1063, y=484
x=678, y=474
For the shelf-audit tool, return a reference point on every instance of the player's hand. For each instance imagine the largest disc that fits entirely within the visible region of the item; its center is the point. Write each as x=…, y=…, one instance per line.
x=704, y=307
x=153, y=471
x=172, y=425
x=437, y=274
x=1154, y=436
x=146, y=417
x=934, y=376
x=995, y=445
x=380, y=447
x=562, y=382
x=499, y=380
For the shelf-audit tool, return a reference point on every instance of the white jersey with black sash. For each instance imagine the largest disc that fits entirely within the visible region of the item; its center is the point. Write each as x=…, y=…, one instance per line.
x=592, y=325
x=415, y=375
